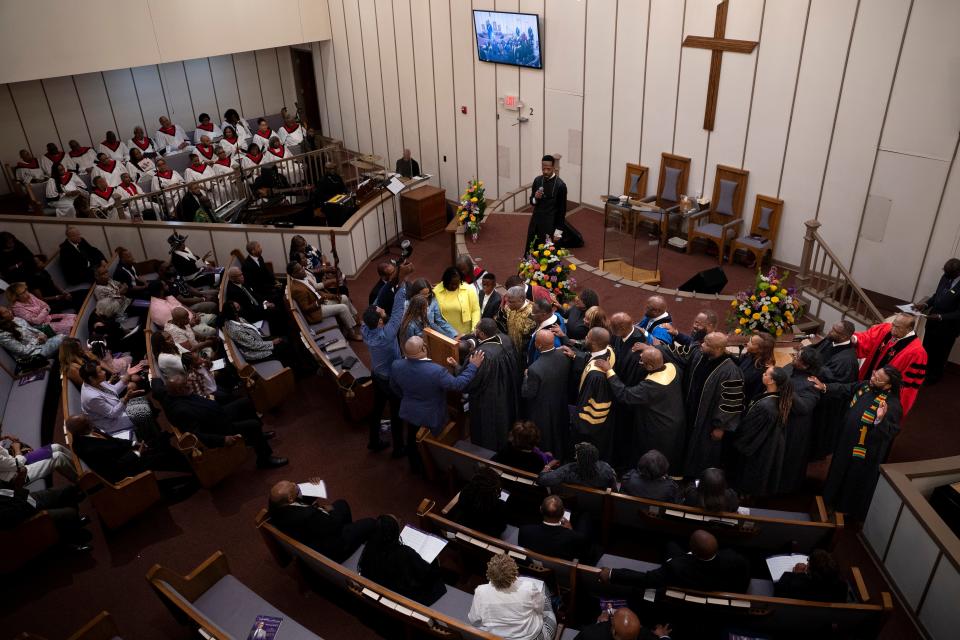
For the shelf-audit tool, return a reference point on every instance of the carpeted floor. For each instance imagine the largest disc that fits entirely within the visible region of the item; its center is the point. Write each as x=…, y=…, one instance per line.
x=60, y=592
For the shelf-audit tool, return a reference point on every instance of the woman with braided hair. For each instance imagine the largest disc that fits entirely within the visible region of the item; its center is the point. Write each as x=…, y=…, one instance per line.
x=479, y=506
x=760, y=438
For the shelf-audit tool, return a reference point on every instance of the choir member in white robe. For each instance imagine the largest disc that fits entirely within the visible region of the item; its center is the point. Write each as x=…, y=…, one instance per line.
x=292, y=135
x=113, y=147
x=206, y=150
x=80, y=159
x=197, y=170
x=109, y=169
x=63, y=188
x=240, y=126
x=250, y=162
x=106, y=201
x=53, y=156
x=261, y=137
x=223, y=189
x=225, y=163
x=141, y=141
x=164, y=178
x=292, y=170
x=231, y=143
x=171, y=137
x=205, y=127
x=28, y=169
x=139, y=165
x=141, y=208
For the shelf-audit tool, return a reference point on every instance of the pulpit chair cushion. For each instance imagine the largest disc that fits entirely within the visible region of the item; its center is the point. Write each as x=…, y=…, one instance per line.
x=634, y=181
x=765, y=213
x=727, y=190
x=671, y=176
x=763, y=230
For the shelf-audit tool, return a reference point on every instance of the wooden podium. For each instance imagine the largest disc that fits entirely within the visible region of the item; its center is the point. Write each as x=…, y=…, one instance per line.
x=423, y=211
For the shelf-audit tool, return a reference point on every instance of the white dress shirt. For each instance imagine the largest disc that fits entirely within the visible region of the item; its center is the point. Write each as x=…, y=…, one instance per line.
x=515, y=612
x=102, y=404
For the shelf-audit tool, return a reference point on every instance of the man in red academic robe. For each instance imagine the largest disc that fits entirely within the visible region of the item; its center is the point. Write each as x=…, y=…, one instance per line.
x=895, y=344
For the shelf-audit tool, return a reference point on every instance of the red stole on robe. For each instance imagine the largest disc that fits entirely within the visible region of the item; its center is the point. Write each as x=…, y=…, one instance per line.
x=113, y=146
x=206, y=153
x=224, y=162
x=170, y=131
x=265, y=135
x=79, y=152
x=291, y=129
x=105, y=194
x=166, y=175
x=55, y=158
x=274, y=151
x=232, y=140
x=33, y=164
x=65, y=178
x=206, y=126
x=108, y=166
x=199, y=168
x=255, y=158
x=129, y=188
x=143, y=143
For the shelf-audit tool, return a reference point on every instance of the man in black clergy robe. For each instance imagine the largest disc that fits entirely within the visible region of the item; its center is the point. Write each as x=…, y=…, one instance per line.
x=713, y=399
x=493, y=391
x=656, y=407
x=592, y=420
x=544, y=390
x=799, y=428
x=624, y=335
x=943, y=320
x=838, y=363
x=548, y=195
x=870, y=424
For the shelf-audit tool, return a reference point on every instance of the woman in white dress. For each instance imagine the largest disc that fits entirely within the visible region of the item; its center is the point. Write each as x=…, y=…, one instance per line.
x=63, y=188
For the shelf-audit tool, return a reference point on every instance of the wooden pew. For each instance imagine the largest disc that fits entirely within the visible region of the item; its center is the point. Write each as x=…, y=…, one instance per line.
x=761, y=529
x=212, y=601
x=102, y=627
x=445, y=619
x=26, y=541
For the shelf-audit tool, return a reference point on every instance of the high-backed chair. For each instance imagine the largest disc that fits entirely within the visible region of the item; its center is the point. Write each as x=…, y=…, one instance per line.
x=672, y=183
x=635, y=180
x=720, y=222
x=763, y=230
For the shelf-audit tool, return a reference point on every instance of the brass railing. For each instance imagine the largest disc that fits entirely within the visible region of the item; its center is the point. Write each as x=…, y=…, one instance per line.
x=823, y=276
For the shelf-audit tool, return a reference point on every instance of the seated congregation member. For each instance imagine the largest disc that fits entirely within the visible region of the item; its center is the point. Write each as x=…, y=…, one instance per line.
x=257, y=275
x=113, y=147
x=199, y=300
x=73, y=355
x=488, y=298
x=39, y=463
x=435, y=319
x=197, y=170
x=182, y=329
x=818, y=579
x=166, y=178
x=17, y=505
x=167, y=354
x=622, y=624
x=206, y=151
x=214, y=424
x=26, y=344
x=586, y=469
x=711, y=492
x=108, y=291
x=114, y=458
x=205, y=127
x=105, y=201
x=253, y=309
x=760, y=438
x=261, y=137
x=479, y=505
x=162, y=305
x=555, y=537
x=316, y=305
x=115, y=406
x=54, y=155
x=196, y=270
x=142, y=143
x=250, y=162
x=142, y=208
x=105, y=328
x=276, y=151
x=754, y=360
x=35, y=311
x=544, y=389
x=64, y=192
x=126, y=275
x=232, y=119
x=292, y=135
x=170, y=137
x=28, y=169
x=108, y=169
x=195, y=205
x=458, y=302
x=251, y=343
x=78, y=258
x=231, y=144
x=390, y=563
x=324, y=526
x=650, y=480
x=80, y=159
x=512, y=606
x=521, y=450
x=705, y=568
x=223, y=164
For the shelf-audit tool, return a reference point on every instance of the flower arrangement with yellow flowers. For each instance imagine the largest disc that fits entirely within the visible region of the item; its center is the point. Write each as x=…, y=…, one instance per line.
x=770, y=307
x=472, y=207
x=545, y=266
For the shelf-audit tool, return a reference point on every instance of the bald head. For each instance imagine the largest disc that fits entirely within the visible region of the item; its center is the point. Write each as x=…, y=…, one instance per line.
x=235, y=274
x=625, y=624
x=78, y=425
x=703, y=545
x=180, y=316
x=598, y=339
x=544, y=340
x=621, y=324
x=656, y=305
x=283, y=493
x=414, y=347
x=652, y=359
x=552, y=509
x=715, y=344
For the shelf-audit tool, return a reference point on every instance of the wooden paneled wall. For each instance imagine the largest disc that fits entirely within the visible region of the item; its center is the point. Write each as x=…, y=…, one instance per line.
x=85, y=107
x=842, y=99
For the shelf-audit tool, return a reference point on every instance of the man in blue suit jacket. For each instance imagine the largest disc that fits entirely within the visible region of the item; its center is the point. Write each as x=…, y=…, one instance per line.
x=546, y=318
x=422, y=386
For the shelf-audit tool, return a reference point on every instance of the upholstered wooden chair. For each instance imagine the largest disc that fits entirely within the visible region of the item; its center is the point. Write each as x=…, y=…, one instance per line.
x=672, y=183
x=763, y=230
x=635, y=181
x=720, y=222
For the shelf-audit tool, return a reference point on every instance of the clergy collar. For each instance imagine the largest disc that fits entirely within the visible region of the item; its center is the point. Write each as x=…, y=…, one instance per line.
x=841, y=344
x=549, y=321
x=553, y=524
x=597, y=354
x=662, y=315
x=633, y=329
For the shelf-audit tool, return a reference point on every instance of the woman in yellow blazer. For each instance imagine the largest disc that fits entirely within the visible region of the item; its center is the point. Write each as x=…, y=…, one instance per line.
x=458, y=302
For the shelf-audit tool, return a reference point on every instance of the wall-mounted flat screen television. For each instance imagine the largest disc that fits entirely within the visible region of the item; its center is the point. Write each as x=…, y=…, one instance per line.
x=508, y=38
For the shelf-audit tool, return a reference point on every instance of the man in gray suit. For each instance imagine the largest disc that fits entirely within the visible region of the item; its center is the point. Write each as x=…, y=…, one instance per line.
x=544, y=390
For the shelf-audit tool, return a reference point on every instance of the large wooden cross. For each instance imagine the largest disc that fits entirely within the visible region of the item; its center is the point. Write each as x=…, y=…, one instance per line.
x=717, y=44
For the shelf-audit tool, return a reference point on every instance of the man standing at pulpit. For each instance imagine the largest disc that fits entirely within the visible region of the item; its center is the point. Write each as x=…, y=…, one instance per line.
x=548, y=195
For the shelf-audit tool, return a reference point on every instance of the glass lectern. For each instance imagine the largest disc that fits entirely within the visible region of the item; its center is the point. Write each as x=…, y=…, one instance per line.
x=631, y=243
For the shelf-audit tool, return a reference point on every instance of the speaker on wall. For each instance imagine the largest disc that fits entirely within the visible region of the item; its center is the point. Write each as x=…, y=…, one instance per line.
x=707, y=281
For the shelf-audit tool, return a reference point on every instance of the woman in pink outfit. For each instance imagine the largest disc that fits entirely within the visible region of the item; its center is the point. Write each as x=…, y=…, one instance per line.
x=37, y=312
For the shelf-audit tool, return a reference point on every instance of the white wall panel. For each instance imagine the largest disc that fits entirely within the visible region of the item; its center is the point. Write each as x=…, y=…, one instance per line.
x=601, y=41
x=96, y=105
x=287, y=82
x=818, y=87
x=660, y=96
x=348, y=112
x=443, y=90
x=378, y=119
x=34, y=114
x=870, y=68
x=124, y=103
x=248, y=84
x=153, y=104
x=224, y=86
x=358, y=56
x=485, y=89
x=66, y=111
x=531, y=91
x=733, y=100
x=924, y=113
x=427, y=112
x=128, y=237
x=406, y=73
x=564, y=115
x=508, y=131
x=393, y=113
x=177, y=93
x=202, y=96
x=330, y=105
x=628, y=84
x=268, y=72
x=944, y=243
x=226, y=241
x=778, y=62
x=461, y=33
x=315, y=20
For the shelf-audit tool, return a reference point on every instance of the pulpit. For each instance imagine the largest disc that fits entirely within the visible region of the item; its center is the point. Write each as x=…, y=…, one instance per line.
x=627, y=251
x=423, y=211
